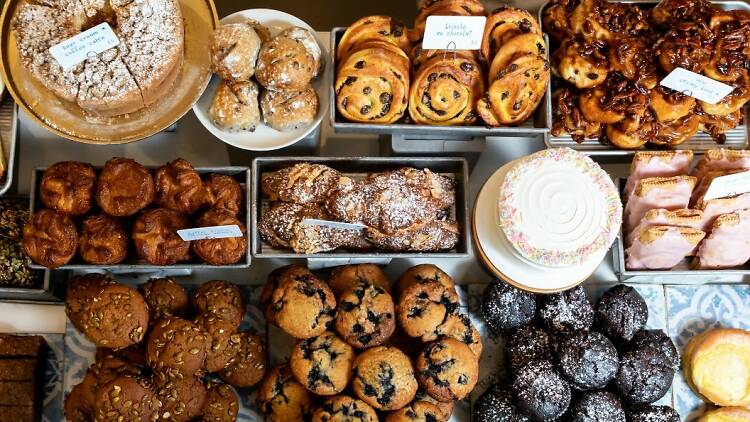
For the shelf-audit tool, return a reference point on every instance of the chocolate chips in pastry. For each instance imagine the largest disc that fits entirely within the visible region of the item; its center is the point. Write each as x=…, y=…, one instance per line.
x=284, y=63
x=179, y=187
x=235, y=106
x=156, y=239
x=444, y=8
x=124, y=187
x=289, y=110
x=307, y=39
x=302, y=183
x=234, y=51
x=372, y=28
x=225, y=251
x=224, y=193
x=68, y=187
x=515, y=91
x=103, y=240
x=503, y=24
x=583, y=63
x=50, y=238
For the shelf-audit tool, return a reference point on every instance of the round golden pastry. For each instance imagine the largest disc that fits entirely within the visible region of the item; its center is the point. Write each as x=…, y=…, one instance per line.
x=421, y=274
x=224, y=193
x=687, y=45
x=124, y=187
x=417, y=411
x=234, y=51
x=79, y=292
x=225, y=251
x=716, y=126
x=716, y=364
x=503, y=24
x=732, y=102
x=623, y=139
x=567, y=118
x=179, y=187
x=344, y=408
x=249, y=365
x=516, y=91
x=285, y=63
x=50, y=239
x=669, y=105
x=445, y=90
x=221, y=299
x=310, y=43
x=302, y=305
x=726, y=414
x=591, y=105
x=116, y=317
x=678, y=131
x=119, y=80
x=103, y=240
x=347, y=277
x=583, y=63
x=68, y=187
x=156, y=239
x=235, y=107
x=372, y=28
x=384, y=378
x=444, y=8
x=164, y=298
x=286, y=111
x=177, y=346
x=323, y=364
x=272, y=282
x=127, y=398
x=372, y=84
x=632, y=57
x=521, y=45
x=281, y=398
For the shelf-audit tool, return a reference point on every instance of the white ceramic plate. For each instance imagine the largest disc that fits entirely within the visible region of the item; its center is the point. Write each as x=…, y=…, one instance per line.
x=505, y=262
x=265, y=138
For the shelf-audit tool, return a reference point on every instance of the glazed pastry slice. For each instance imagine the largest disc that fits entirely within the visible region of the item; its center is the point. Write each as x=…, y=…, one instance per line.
x=669, y=193
x=662, y=247
x=722, y=159
x=705, y=182
x=661, y=217
x=728, y=245
x=716, y=207
x=657, y=164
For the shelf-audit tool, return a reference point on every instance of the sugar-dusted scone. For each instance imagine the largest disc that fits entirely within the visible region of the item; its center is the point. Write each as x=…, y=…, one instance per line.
x=234, y=51
x=728, y=244
x=657, y=192
x=647, y=164
x=662, y=247
x=661, y=217
x=235, y=106
x=289, y=110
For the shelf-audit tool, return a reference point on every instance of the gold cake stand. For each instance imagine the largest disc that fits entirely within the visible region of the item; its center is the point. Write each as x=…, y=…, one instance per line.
x=70, y=121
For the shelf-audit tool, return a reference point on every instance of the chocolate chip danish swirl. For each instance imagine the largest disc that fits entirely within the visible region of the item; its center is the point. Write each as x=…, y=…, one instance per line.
x=503, y=24
x=515, y=91
x=372, y=84
x=372, y=28
x=445, y=91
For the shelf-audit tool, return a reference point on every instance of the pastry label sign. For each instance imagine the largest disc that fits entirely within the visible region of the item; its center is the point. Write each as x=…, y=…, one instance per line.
x=729, y=185
x=454, y=33
x=88, y=43
x=214, y=232
x=696, y=86
x=333, y=224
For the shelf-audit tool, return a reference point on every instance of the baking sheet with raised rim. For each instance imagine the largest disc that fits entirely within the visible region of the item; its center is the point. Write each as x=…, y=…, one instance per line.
x=9, y=135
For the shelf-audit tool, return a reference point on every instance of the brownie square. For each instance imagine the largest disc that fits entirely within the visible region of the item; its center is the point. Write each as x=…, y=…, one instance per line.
x=16, y=392
x=18, y=369
x=21, y=346
x=17, y=414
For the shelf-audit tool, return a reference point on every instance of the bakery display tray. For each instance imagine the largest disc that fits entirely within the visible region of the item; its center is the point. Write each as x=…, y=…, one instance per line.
x=737, y=138
x=358, y=167
x=131, y=263
x=538, y=126
x=9, y=138
x=50, y=290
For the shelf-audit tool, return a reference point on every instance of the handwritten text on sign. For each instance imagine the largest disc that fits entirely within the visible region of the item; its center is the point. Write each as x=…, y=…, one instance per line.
x=696, y=86
x=454, y=33
x=215, y=232
x=88, y=43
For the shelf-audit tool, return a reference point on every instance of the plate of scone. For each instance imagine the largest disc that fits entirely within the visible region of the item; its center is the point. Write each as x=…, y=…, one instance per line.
x=268, y=90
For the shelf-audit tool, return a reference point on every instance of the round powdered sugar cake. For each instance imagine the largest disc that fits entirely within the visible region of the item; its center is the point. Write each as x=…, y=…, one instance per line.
x=558, y=207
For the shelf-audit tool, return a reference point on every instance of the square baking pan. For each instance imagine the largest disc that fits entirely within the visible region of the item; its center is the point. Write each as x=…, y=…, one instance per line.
x=50, y=288
x=132, y=263
x=358, y=168
x=537, y=126
x=737, y=138
x=9, y=140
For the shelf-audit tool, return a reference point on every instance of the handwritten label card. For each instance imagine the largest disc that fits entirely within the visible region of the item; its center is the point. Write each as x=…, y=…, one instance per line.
x=454, y=33
x=729, y=185
x=696, y=86
x=214, y=232
x=332, y=224
x=88, y=43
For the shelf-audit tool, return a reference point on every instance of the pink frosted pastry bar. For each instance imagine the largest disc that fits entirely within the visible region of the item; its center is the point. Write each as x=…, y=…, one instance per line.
x=722, y=159
x=705, y=182
x=661, y=217
x=728, y=245
x=662, y=247
x=657, y=164
x=716, y=207
x=668, y=193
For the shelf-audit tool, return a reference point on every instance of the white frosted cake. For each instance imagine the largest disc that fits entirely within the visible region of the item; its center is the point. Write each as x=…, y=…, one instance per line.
x=558, y=207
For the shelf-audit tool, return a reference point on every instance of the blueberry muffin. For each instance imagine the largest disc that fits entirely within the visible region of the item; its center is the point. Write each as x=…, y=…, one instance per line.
x=344, y=409
x=302, y=305
x=528, y=344
x=497, y=403
x=419, y=274
x=459, y=326
x=282, y=399
x=446, y=408
x=621, y=312
x=417, y=411
x=347, y=277
x=127, y=397
x=659, y=340
x=272, y=282
x=597, y=406
x=447, y=370
x=645, y=375
x=222, y=341
x=365, y=316
x=182, y=398
x=164, y=298
x=177, y=347
x=506, y=308
x=384, y=378
x=81, y=289
x=249, y=363
x=652, y=413
x=588, y=360
x=322, y=364
x=117, y=316
x=424, y=306
x=221, y=299
x=567, y=312
x=541, y=392
x=221, y=404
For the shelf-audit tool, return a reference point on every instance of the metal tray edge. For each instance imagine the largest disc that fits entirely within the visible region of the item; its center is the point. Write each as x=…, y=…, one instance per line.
x=11, y=155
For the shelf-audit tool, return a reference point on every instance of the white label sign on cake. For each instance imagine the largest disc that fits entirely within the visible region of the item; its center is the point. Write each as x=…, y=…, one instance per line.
x=213, y=232
x=77, y=49
x=729, y=185
x=696, y=86
x=453, y=32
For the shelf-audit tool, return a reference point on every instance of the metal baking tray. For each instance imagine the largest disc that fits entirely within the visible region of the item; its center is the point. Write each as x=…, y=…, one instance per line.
x=681, y=274
x=537, y=126
x=51, y=289
x=9, y=137
x=132, y=262
x=458, y=168
x=737, y=138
